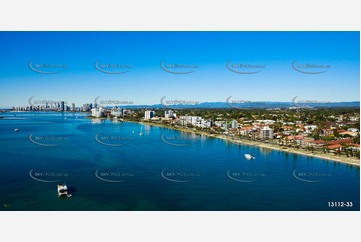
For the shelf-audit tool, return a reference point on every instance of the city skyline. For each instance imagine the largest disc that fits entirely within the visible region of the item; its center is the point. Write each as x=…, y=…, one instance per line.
x=47, y=105
x=143, y=67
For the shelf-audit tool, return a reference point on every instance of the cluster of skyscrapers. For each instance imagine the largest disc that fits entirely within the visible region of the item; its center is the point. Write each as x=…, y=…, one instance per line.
x=54, y=106
x=44, y=106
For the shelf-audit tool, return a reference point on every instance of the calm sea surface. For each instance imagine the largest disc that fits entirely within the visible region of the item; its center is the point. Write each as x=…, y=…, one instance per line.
x=109, y=166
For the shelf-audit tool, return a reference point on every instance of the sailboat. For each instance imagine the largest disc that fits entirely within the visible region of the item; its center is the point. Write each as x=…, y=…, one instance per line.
x=141, y=133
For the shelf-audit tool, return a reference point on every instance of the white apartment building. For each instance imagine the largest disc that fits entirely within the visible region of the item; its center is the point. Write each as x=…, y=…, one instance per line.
x=170, y=114
x=266, y=133
x=310, y=128
x=97, y=112
x=148, y=114
x=195, y=121
x=116, y=112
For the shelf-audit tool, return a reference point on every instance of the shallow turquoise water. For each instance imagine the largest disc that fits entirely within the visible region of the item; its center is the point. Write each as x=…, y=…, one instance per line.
x=109, y=166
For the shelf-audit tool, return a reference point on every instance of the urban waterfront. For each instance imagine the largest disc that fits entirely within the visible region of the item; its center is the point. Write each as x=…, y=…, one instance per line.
x=112, y=165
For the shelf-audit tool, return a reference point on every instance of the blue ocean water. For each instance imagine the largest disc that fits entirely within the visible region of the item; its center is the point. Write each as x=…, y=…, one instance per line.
x=128, y=166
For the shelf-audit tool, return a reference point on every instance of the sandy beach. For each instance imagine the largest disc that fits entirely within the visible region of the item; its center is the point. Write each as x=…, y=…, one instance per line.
x=328, y=156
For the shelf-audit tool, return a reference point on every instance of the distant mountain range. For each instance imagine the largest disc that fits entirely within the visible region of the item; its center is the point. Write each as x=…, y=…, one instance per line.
x=265, y=105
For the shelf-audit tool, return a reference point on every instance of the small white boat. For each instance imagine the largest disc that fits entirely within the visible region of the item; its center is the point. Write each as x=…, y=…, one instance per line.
x=16, y=130
x=141, y=133
x=63, y=190
x=96, y=121
x=249, y=156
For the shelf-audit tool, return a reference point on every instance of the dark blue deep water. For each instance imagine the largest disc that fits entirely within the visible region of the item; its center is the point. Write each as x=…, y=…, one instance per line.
x=108, y=166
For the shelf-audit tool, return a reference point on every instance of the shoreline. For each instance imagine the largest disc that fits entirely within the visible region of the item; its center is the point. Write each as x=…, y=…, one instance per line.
x=325, y=156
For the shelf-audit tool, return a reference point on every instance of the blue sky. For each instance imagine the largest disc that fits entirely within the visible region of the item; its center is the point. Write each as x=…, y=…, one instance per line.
x=147, y=83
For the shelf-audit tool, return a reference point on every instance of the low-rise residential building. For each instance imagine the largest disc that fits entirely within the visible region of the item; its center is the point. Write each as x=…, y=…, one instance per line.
x=317, y=143
x=266, y=121
x=310, y=128
x=170, y=114
x=326, y=132
x=195, y=121
x=354, y=134
x=245, y=131
x=116, y=112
